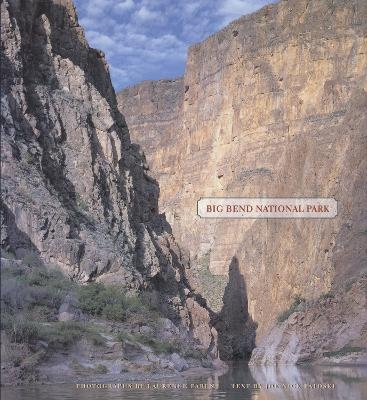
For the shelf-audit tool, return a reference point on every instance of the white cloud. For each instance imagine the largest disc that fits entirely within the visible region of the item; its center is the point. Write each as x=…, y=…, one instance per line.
x=145, y=14
x=232, y=9
x=124, y=6
x=148, y=39
x=97, y=7
x=101, y=41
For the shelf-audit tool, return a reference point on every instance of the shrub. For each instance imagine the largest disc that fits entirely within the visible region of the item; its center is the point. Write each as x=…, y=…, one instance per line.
x=350, y=282
x=15, y=295
x=134, y=304
x=39, y=288
x=191, y=352
x=52, y=279
x=20, y=329
x=124, y=336
x=114, y=312
x=32, y=259
x=97, y=299
x=108, y=301
x=7, y=254
x=159, y=346
x=68, y=332
x=81, y=203
x=287, y=313
x=63, y=333
x=327, y=295
x=101, y=369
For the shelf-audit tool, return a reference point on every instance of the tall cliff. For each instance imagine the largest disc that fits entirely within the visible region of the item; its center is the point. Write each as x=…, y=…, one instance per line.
x=154, y=109
x=76, y=193
x=272, y=105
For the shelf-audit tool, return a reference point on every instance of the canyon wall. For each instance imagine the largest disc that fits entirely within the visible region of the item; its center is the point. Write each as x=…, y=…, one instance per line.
x=272, y=105
x=154, y=109
x=76, y=193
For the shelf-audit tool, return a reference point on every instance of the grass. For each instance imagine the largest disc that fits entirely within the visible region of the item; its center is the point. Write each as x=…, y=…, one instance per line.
x=23, y=329
x=62, y=334
x=31, y=299
x=287, y=313
x=20, y=329
x=40, y=289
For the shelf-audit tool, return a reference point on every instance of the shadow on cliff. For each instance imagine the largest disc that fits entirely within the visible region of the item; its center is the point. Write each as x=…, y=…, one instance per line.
x=15, y=241
x=236, y=329
x=138, y=189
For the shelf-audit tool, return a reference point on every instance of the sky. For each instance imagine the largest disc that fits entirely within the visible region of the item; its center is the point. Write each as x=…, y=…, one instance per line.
x=148, y=39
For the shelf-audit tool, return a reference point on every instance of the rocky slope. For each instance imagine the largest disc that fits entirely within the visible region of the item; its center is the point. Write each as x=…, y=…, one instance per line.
x=76, y=193
x=272, y=105
x=55, y=330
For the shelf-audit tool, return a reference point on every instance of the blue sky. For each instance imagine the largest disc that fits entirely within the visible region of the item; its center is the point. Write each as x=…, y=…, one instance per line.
x=148, y=39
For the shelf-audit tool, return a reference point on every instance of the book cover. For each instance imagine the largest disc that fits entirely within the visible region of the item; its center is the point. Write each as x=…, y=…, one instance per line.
x=183, y=209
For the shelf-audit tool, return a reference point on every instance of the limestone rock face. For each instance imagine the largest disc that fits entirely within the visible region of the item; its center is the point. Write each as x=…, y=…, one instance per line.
x=76, y=192
x=272, y=105
x=154, y=111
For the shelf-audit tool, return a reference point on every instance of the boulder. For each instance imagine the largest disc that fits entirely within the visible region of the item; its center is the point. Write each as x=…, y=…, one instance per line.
x=179, y=363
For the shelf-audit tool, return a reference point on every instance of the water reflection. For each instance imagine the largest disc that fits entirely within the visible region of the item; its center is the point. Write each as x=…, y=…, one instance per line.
x=239, y=382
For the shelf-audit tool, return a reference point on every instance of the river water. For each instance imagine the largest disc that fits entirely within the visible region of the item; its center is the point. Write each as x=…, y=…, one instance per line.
x=239, y=382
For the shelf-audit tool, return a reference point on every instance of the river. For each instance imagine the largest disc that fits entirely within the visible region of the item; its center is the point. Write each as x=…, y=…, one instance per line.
x=239, y=382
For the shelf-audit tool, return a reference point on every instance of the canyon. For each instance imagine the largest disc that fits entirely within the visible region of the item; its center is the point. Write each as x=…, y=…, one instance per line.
x=76, y=192
x=273, y=105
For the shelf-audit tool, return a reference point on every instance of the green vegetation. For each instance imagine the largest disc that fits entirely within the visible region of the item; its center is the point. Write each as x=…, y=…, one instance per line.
x=101, y=369
x=20, y=329
x=350, y=282
x=287, y=313
x=109, y=302
x=159, y=345
x=328, y=295
x=211, y=287
x=345, y=378
x=124, y=336
x=82, y=204
x=32, y=260
x=22, y=290
x=343, y=352
x=30, y=304
x=31, y=299
x=62, y=334
x=190, y=352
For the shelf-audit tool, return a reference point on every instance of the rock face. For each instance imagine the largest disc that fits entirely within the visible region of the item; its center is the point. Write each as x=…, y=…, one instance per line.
x=154, y=109
x=76, y=192
x=329, y=330
x=272, y=105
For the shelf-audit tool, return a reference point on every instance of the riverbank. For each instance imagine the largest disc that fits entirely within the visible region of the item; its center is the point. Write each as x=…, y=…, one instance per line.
x=55, y=331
